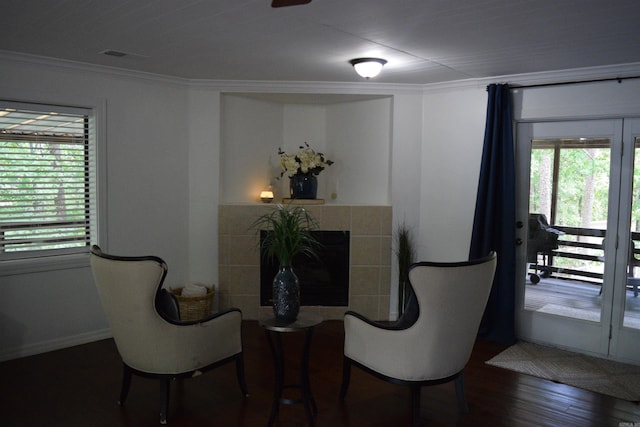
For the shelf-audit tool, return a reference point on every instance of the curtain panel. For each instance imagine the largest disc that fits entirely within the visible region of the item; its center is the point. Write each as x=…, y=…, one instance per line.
x=494, y=220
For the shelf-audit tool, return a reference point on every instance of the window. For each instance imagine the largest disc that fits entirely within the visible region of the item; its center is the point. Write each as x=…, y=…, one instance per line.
x=570, y=180
x=569, y=184
x=47, y=180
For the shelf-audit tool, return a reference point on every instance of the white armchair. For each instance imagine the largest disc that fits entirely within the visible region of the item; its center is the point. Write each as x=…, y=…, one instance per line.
x=151, y=341
x=432, y=342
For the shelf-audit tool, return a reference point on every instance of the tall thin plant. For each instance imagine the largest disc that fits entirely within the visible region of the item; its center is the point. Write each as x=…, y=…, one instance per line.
x=405, y=253
x=288, y=234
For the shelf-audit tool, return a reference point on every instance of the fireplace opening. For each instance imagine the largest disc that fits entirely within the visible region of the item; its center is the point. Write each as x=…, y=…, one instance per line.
x=323, y=281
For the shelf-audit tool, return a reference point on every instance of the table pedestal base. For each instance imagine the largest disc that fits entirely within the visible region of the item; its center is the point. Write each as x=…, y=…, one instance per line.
x=274, y=329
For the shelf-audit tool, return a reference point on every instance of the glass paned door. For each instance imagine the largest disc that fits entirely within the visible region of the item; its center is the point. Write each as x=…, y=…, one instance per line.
x=568, y=191
x=625, y=314
x=632, y=292
x=568, y=208
x=578, y=210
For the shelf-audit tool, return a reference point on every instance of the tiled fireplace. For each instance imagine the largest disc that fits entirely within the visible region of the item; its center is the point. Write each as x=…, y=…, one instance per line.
x=370, y=257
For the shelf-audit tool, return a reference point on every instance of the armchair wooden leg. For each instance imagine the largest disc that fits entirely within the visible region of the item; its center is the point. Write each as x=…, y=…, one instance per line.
x=165, y=385
x=415, y=404
x=462, y=402
x=346, y=377
x=240, y=374
x=126, y=384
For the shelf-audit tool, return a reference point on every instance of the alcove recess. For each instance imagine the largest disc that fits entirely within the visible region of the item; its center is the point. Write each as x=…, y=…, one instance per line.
x=352, y=130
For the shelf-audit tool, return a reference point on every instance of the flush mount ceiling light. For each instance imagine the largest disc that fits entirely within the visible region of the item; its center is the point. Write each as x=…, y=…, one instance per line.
x=285, y=3
x=116, y=53
x=368, y=67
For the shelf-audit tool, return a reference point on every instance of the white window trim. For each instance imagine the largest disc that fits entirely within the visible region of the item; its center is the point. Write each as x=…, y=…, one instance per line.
x=11, y=267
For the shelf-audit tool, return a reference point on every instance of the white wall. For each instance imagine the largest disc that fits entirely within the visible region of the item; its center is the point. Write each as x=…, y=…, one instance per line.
x=250, y=131
x=203, y=115
x=589, y=100
x=301, y=123
x=147, y=199
x=359, y=141
x=451, y=152
x=406, y=183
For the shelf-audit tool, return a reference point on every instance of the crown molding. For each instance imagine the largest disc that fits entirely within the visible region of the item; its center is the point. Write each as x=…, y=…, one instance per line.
x=547, y=77
x=64, y=64
x=305, y=87
x=256, y=86
x=310, y=87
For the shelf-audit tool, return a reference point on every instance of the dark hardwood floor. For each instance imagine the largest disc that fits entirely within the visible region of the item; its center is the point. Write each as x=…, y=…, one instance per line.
x=79, y=386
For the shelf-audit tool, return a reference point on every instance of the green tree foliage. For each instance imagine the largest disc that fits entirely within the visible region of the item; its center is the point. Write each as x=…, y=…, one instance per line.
x=583, y=175
x=580, y=185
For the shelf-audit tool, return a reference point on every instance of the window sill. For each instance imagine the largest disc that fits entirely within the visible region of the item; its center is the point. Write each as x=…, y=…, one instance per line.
x=42, y=264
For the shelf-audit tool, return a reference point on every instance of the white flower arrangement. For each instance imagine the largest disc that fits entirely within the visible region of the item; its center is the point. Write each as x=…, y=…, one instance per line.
x=304, y=162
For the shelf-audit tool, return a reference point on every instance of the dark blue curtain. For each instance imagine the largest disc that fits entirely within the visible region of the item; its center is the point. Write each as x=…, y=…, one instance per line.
x=495, y=217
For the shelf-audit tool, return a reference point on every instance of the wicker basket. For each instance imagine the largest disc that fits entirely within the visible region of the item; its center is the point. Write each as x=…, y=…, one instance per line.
x=193, y=308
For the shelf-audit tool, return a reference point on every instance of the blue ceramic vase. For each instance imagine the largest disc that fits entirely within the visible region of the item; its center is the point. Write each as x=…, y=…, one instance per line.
x=286, y=295
x=303, y=186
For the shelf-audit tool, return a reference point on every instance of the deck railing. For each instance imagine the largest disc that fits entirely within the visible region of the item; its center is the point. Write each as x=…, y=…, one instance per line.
x=580, y=254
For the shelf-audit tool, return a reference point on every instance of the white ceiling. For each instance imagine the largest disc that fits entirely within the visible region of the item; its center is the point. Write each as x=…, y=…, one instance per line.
x=424, y=41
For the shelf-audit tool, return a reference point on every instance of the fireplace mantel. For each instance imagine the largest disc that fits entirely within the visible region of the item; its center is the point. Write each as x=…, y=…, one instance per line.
x=370, y=263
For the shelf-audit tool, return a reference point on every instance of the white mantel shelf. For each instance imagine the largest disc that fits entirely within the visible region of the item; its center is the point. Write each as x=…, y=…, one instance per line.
x=302, y=201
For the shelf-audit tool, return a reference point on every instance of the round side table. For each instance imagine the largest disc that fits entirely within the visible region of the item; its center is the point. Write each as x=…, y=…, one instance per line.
x=306, y=322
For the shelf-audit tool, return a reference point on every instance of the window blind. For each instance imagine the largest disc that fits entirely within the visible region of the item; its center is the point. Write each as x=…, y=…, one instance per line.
x=47, y=180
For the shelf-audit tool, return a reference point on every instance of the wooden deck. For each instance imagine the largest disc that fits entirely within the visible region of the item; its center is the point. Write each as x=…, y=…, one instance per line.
x=581, y=300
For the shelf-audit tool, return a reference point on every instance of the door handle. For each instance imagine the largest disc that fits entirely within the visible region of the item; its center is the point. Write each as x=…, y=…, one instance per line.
x=519, y=241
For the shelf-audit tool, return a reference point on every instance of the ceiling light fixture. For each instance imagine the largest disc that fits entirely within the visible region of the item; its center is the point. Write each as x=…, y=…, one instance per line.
x=368, y=67
x=285, y=3
x=116, y=53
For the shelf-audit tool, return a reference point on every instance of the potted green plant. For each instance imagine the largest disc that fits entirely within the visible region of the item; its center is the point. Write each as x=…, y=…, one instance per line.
x=288, y=233
x=405, y=254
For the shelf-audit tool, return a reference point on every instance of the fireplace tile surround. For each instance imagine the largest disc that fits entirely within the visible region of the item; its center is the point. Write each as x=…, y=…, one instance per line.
x=370, y=253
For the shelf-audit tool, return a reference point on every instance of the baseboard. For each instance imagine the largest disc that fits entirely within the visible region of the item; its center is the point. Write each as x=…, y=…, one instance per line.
x=52, y=345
